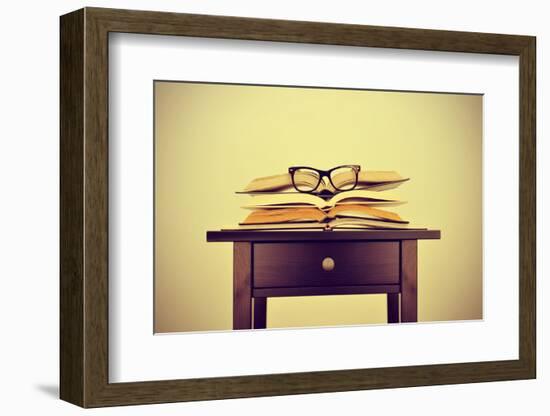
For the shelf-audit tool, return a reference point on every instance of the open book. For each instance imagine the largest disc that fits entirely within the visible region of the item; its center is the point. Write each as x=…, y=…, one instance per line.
x=334, y=224
x=288, y=215
x=288, y=200
x=372, y=180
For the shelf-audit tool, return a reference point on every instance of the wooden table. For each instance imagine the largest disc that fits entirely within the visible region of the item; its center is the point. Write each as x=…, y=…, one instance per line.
x=313, y=263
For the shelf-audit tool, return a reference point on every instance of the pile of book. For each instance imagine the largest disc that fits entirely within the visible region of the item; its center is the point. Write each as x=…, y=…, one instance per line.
x=276, y=205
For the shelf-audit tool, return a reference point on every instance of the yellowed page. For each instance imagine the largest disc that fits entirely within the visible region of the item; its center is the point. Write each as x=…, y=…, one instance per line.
x=284, y=215
x=363, y=211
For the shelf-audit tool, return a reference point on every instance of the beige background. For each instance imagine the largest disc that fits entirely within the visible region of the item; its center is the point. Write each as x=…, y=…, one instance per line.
x=211, y=139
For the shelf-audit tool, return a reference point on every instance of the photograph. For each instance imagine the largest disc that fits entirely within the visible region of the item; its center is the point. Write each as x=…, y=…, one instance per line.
x=271, y=171
x=261, y=204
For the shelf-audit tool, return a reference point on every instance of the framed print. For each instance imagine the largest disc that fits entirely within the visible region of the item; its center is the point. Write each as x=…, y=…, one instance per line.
x=254, y=207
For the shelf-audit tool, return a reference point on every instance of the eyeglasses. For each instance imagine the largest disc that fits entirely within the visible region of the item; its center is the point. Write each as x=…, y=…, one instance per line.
x=308, y=179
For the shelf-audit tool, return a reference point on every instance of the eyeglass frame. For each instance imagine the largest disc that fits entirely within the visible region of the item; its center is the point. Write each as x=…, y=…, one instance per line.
x=322, y=174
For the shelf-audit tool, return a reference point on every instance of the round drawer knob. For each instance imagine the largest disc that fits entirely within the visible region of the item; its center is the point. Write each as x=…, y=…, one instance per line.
x=328, y=264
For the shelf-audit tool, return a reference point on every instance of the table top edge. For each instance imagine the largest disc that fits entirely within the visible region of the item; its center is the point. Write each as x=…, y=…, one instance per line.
x=289, y=236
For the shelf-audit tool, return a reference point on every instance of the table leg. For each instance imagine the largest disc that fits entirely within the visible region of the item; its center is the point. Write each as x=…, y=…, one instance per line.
x=242, y=281
x=408, y=281
x=393, y=308
x=260, y=309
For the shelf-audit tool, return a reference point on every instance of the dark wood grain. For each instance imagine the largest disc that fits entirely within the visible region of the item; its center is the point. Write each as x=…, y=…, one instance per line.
x=96, y=218
x=272, y=292
x=340, y=235
x=260, y=312
x=227, y=27
x=84, y=214
x=309, y=382
x=300, y=264
x=71, y=343
x=409, y=281
x=242, y=285
x=84, y=155
x=393, y=308
x=527, y=209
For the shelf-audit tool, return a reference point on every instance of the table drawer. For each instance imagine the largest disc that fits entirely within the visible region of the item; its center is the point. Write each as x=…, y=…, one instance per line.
x=325, y=264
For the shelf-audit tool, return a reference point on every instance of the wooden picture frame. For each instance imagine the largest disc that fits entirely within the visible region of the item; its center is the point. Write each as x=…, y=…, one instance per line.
x=84, y=207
